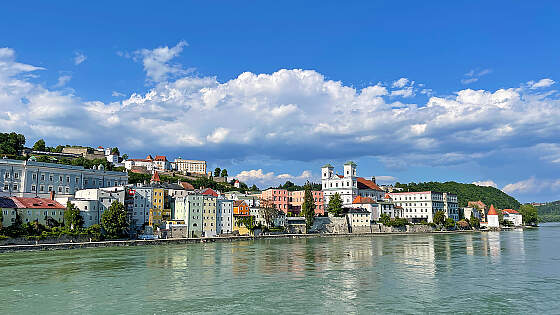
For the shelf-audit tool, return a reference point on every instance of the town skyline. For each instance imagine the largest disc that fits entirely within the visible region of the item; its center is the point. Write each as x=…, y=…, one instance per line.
x=276, y=108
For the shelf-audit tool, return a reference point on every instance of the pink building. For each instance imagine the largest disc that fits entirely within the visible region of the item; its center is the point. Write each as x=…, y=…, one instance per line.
x=291, y=201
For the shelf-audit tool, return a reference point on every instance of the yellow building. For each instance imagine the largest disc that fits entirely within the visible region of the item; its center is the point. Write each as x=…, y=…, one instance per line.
x=209, y=215
x=156, y=212
x=30, y=210
x=240, y=227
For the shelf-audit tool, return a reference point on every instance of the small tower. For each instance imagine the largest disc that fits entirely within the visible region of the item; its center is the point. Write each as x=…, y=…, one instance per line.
x=349, y=169
x=492, y=216
x=327, y=171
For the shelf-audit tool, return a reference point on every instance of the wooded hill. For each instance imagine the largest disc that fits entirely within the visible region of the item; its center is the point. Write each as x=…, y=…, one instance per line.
x=466, y=193
x=549, y=212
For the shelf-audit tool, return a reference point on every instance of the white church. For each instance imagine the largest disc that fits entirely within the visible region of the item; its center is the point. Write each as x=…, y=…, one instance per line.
x=349, y=185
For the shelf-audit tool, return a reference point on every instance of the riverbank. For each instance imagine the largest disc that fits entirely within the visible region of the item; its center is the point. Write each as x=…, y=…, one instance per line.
x=176, y=241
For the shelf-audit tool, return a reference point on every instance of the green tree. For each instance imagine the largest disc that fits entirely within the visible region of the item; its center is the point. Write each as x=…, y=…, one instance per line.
x=217, y=171
x=308, y=207
x=11, y=143
x=335, y=205
x=439, y=218
x=475, y=222
x=224, y=173
x=269, y=212
x=39, y=145
x=125, y=157
x=384, y=218
x=113, y=220
x=72, y=218
x=449, y=223
x=115, y=151
x=529, y=213
x=254, y=188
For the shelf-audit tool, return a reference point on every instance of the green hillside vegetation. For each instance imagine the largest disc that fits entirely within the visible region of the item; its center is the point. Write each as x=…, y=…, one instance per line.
x=550, y=212
x=289, y=186
x=466, y=193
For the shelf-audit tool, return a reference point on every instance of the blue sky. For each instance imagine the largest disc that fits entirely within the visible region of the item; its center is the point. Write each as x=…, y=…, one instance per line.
x=412, y=91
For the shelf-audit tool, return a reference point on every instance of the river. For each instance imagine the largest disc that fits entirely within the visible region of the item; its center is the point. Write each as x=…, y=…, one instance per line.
x=490, y=273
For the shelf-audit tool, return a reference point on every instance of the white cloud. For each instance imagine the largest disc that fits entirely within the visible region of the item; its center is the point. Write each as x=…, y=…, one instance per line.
x=474, y=75
x=288, y=114
x=157, y=61
x=385, y=179
x=79, y=58
x=486, y=183
x=270, y=178
x=540, y=84
x=62, y=80
x=406, y=92
x=532, y=185
x=400, y=83
x=117, y=94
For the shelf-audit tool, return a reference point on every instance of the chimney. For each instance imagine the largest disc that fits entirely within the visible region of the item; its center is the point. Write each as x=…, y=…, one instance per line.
x=373, y=179
x=52, y=194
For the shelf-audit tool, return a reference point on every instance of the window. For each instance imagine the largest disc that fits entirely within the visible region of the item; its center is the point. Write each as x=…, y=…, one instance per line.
x=41, y=188
x=51, y=178
x=34, y=176
x=67, y=190
x=50, y=188
x=33, y=188
x=42, y=176
x=67, y=179
x=59, y=189
x=77, y=180
x=6, y=187
x=7, y=175
x=16, y=175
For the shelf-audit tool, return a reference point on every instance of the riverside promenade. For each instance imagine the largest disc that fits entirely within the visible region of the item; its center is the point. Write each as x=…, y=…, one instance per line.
x=176, y=241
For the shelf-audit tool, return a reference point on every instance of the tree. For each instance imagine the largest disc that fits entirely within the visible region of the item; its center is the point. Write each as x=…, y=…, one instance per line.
x=115, y=151
x=439, y=218
x=268, y=211
x=72, y=218
x=384, y=218
x=113, y=220
x=529, y=213
x=224, y=173
x=449, y=223
x=475, y=222
x=308, y=207
x=11, y=143
x=254, y=188
x=217, y=171
x=39, y=145
x=1, y=219
x=125, y=157
x=335, y=205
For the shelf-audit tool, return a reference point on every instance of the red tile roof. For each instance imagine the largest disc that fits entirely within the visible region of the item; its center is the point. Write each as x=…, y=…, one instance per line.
x=149, y=158
x=360, y=199
x=339, y=176
x=36, y=203
x=187, y=186
x=237, y=203
x=160, y=158
x=367, y=184
x=209, y=192
x=510, y=211
x=492, y=211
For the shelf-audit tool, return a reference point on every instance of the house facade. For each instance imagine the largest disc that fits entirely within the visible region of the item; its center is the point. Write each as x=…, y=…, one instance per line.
x=348, y=185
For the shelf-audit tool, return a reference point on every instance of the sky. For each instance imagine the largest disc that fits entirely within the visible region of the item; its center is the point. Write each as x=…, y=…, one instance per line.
x=411, y=91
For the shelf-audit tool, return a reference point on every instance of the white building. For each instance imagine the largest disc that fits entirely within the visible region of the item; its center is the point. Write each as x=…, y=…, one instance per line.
x=419, y=205
x=141, y=204
x=471, y=211
x=93, y=202
x=451, y=206
x=189, y=166
x=358, y=217
x=348, y=185
x=161, y=163
x=147, y=163
x=513, y=216
x=37, y=179
x=493, y=220
x=224, y=216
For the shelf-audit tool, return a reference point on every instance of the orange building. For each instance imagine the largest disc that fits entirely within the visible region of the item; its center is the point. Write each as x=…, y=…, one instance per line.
x=240, y=208
x=291, y=201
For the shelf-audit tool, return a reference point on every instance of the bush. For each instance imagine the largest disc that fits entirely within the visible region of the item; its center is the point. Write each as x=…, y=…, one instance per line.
x=397, y=222
x=449, y=223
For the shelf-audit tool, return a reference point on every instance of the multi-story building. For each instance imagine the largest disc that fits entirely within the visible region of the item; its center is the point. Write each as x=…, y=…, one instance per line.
x=419, y=205
x=240, y=208
x=451, y=206
x=291, y=201
x=348, y=185
x=30, y=209
x=88, y=153
x=190, y=166
x=209, y=226
x=513, y=216
x=93, y=202
x=190, y=210
x=158, y=201
x=224, y=216
x=141, y=205
x=147, y=163
x=161, y=163
x=37, y=179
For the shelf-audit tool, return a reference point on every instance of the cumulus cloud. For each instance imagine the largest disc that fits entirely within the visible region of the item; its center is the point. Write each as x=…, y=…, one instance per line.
x=540, y=84
x=385, y=179
x=117, y=94
x=486, y=183
x=532, y=185
x=400, y=83
x=290, y=114
x=157, y=61
x=270, y=178
x=79, y=58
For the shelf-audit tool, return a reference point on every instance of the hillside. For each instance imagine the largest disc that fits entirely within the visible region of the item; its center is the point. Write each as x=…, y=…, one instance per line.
x=466, y=193
x=549, y=212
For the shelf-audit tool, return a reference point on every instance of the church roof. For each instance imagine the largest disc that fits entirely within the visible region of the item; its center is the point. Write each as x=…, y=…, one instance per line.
x=155, y=177
x=367, y=184
x=327, y=165
x=350, y=163
x=360, y=199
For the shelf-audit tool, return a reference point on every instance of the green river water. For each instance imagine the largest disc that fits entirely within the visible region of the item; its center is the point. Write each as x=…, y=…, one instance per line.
x=490, y=273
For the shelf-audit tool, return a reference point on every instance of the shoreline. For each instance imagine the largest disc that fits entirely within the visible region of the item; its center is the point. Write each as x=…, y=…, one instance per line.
x=177, y=241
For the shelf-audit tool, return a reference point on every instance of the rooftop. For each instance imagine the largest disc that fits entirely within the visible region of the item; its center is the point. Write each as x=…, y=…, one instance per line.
x=36, y=203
